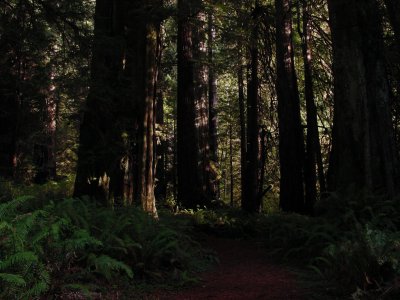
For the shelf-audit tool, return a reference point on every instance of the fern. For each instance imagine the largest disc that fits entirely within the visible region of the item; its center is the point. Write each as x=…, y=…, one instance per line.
x=9, y=208
x=13, y=279
x=75, y=241
x=108, y=266
x=80, y=240
x=19, y=258
x=38, y=289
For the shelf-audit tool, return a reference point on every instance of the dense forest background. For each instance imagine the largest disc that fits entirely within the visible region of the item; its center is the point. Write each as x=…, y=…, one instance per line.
x=252, y=116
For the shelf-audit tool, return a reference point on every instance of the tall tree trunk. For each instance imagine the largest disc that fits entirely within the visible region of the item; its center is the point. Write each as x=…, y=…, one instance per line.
x=231, y=183
x=7, y=140
x=263, y=161
x=251, y=202
x=212, y=91
x=313, y=155
x=174, y=170
x=194, y=170
x=202, y=105
x=291, y=144
x=51, y=130
x=242, y=121
x=45, y=152
x=143, y=51
x=162, y=148
x=137, y=103
x=98, y=154
x=212, y=106
x=147, y=159
x=189, y=186
x=160, y=142
x=363, y=156
x=10, y=116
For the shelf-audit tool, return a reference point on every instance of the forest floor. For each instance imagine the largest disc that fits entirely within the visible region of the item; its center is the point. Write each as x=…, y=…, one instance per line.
x=245, y=272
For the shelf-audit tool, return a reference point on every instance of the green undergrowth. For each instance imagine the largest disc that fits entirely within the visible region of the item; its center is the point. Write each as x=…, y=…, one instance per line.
x=42, y=193
x=75, y=247
x=351, y=250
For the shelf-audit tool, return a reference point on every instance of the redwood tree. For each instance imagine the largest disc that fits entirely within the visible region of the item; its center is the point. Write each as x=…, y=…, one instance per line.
x=99, y=137
x=363, y=155
x=194, y=170
x=291, y=144
x=117, y=138
x=313, y=155
x=251, y=201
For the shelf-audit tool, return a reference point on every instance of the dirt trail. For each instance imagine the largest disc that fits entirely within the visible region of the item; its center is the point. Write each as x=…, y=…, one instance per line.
x=244, y=273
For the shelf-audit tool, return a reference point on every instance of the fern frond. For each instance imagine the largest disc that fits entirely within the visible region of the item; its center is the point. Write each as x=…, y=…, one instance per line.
x=107, y=266
x=38, y=289
x=24, y=224
x=82, y=239
x=18, y=258
x=9, y=208
x=13, y=279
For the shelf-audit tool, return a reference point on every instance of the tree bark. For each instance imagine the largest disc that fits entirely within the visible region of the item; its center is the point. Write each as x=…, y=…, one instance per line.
x=242, y=121
x=363, y=157
x=147, y=159
x=291, y=144
x=45, y=152
x=251, y=202
x=99, y=141
x=263, y=161
x=212, y=108
x=117, y=152
x=161, y=149
x=189, y=186
x=313, y=155
x=212, y=92
x=231, y=183
x=194, y=170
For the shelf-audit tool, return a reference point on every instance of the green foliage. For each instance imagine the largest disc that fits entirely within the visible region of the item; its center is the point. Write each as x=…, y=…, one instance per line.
x=354, y=245
x=23, y=273
x=42, y=193
x=83, y=245
x=108, y=266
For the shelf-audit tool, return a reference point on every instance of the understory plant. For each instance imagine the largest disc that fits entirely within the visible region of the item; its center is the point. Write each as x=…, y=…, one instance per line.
x=353, y=245
x=75, y=244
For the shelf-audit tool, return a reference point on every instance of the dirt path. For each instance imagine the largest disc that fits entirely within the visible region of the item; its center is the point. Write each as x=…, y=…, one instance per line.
x=244, y=273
